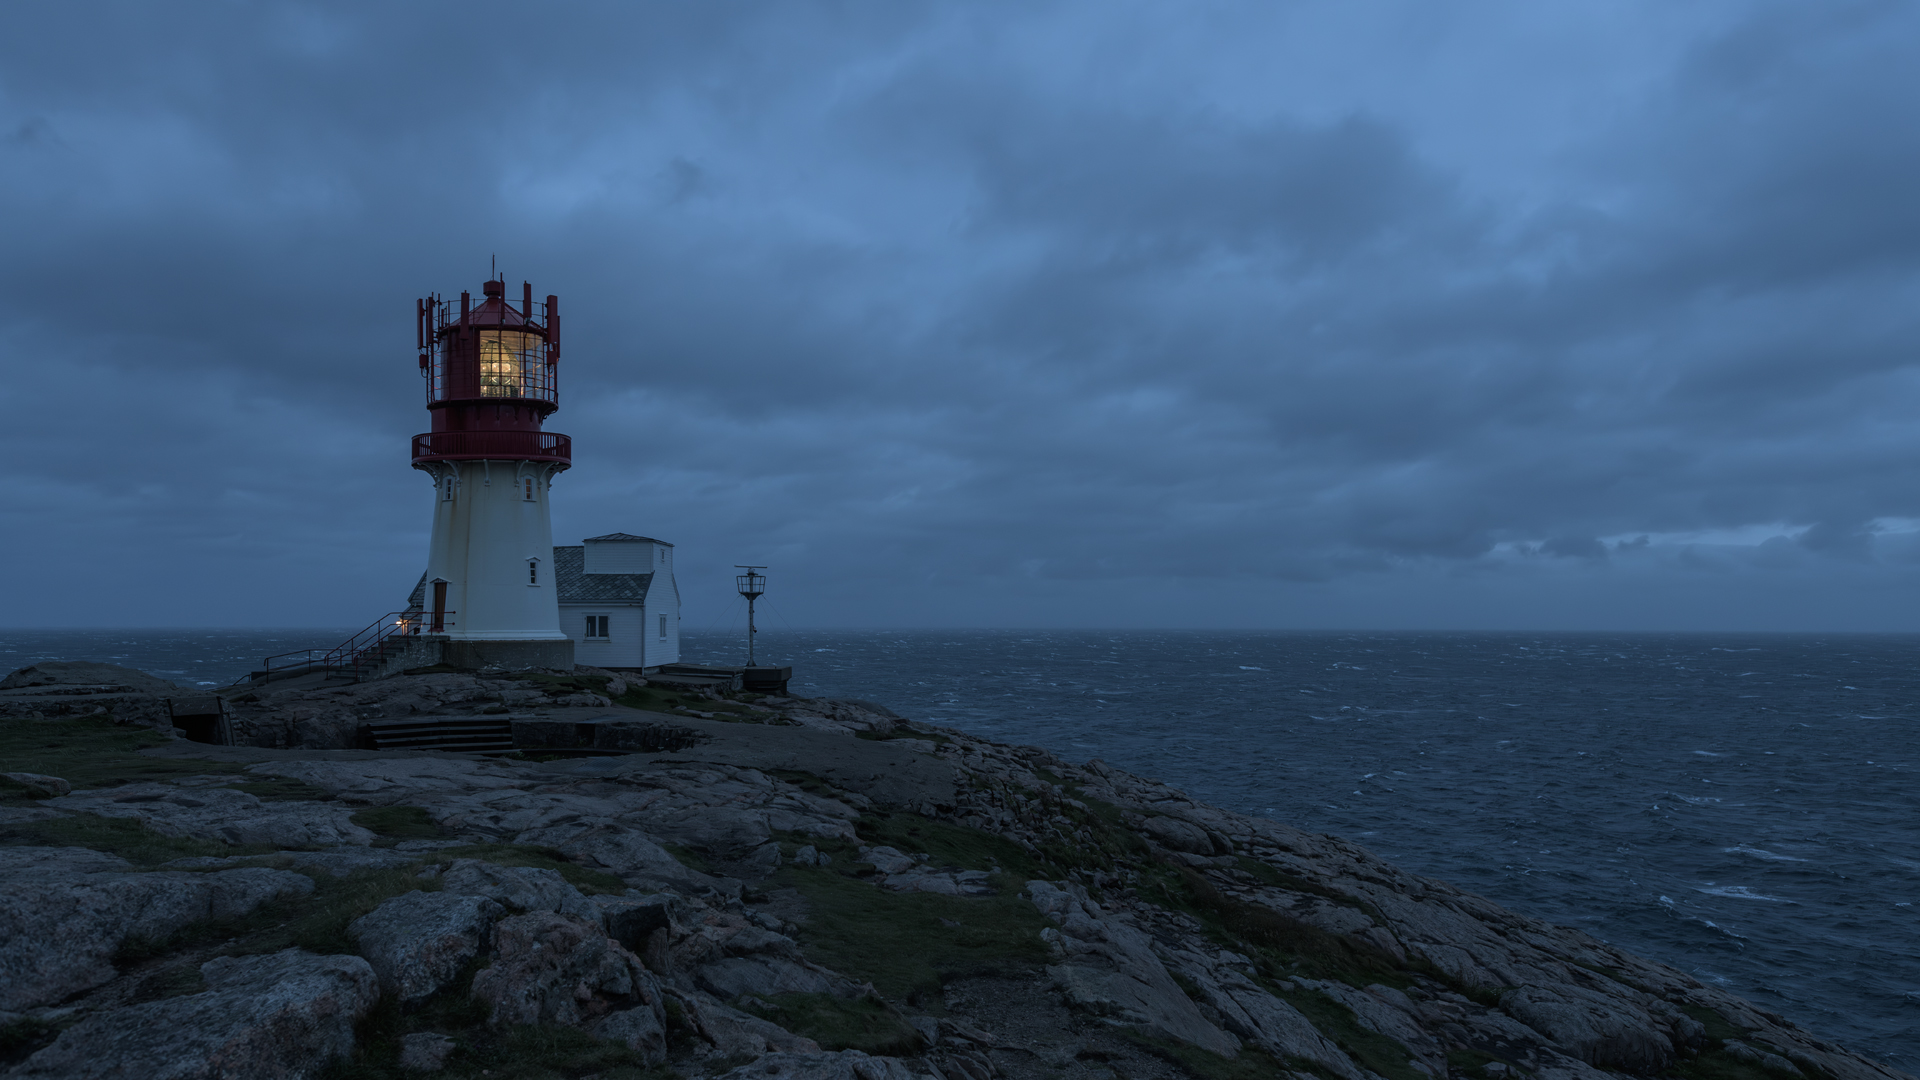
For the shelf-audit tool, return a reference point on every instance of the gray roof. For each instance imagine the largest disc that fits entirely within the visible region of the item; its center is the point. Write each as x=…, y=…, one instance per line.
x=629, y=536
x=579, y=587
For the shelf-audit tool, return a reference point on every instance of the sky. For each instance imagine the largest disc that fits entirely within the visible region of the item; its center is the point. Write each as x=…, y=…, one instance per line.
x=1346, y=314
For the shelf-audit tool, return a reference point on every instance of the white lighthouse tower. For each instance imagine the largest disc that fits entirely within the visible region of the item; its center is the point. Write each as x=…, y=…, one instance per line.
x=490, y=372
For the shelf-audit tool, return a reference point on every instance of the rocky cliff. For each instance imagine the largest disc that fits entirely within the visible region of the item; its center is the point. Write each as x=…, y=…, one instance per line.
x=662, y=883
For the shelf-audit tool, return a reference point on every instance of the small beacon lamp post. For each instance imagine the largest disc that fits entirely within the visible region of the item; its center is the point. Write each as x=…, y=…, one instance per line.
x=752, y=585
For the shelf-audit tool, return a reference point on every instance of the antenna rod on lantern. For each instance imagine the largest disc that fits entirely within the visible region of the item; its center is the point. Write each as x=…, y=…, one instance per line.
x=752, y=585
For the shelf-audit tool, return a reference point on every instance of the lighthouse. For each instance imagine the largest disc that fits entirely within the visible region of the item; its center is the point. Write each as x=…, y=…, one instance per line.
x=491, y=375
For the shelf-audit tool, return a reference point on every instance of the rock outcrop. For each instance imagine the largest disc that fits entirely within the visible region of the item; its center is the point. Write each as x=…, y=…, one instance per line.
x=418, y=942
x=286, y=1015
x=550, y=968
x=59, y=689
x=210, y=812
x=66, y=912
x=784, y=888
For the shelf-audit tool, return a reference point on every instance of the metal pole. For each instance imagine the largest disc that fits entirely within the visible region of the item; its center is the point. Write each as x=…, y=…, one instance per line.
x=751, y=584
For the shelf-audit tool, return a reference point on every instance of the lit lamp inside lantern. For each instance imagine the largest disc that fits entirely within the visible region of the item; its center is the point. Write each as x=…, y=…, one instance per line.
x=507, y=362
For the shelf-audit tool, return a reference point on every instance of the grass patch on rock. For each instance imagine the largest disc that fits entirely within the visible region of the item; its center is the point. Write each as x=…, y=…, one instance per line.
x=316, y=923
x=566, y=684
x=907, y=944
x=586, y=879
x=1288, y=945
x=689, y=858
x=839, y=1024
x=1380, y=1053
x=20, y=1038
x=950, y=845
x=1719, y=1028
x=1717, y=1064
x=666, y=699
x=399, y=823
x=282, y=789
x=94, y=752
x=1268, y=874
x=128, y=838
x=807, y=782
x=933, y=737
x=1251, y=1063
x=537, y=1052
x=1474, y=1062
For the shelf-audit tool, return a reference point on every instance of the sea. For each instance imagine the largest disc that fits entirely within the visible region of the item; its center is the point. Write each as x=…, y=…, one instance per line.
x=1739, y=806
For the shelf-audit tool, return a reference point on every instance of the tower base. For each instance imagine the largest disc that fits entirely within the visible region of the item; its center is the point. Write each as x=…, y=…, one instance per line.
x=508, y=655
x=434, y=650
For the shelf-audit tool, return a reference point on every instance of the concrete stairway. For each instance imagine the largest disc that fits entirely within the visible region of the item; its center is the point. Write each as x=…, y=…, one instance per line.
x=471, y=734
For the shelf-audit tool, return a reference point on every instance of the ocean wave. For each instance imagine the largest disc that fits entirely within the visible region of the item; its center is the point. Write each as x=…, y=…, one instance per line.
x=1739, y=892
x=1760, y=854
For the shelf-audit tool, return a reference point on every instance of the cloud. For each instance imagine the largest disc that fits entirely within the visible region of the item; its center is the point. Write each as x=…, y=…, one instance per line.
x=964, y=313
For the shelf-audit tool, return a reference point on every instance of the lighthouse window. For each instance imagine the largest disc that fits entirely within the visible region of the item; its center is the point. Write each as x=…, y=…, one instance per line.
x=527, y=489
x=446, y=489
x=663, y=628
x=597, y=626
x=510, y=364
x=533, y=571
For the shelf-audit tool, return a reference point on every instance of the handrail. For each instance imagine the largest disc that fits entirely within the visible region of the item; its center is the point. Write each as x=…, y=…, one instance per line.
x=361, y=649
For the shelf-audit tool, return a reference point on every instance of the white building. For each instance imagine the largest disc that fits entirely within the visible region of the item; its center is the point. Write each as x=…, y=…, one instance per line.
x=488, y=597
x=489, y=563
x=618, y=601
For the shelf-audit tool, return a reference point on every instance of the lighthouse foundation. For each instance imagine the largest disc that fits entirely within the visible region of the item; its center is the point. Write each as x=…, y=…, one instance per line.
x=507, y=655
x=404, y=653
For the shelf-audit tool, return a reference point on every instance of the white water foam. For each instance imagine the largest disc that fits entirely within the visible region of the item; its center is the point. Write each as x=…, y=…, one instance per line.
x=1760, y=854
x=1739, y=892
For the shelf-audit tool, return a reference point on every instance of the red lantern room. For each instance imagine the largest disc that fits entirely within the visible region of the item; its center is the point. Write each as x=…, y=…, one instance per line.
x=490, y=374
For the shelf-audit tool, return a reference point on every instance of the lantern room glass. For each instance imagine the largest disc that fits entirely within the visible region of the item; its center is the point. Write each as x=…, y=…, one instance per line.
x=510, y=364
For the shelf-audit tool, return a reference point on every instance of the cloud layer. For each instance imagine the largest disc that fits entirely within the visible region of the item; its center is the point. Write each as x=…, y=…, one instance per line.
x=1355, y=314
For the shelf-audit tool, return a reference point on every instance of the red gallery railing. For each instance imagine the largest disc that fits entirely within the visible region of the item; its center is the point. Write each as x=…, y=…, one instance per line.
x=493, y=445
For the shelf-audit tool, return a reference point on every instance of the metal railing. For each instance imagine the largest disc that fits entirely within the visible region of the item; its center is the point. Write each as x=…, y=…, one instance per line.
x=494, y=445
x=446, y=312
x=359, y=652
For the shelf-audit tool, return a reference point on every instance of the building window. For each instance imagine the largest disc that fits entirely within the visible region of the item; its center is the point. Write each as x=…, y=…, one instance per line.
x=597, y=626
x=446, y=489
x=663, y=628
x=533, y=571
x=526, y=491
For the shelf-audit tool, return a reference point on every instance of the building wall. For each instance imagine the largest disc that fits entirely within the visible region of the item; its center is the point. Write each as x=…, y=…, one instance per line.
x=641, y=643
x=627, y=557
x=623, y=649
x=663, y=603
x=635, y=641
x=485, y=532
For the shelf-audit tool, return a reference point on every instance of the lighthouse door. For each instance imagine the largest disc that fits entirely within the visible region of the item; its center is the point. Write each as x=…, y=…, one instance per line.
x=439, y=607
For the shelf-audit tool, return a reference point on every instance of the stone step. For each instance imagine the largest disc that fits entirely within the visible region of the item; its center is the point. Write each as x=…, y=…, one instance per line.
x=487, y=734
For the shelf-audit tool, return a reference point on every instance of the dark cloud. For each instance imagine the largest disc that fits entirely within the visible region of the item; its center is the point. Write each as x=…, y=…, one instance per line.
x=1074, y=314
